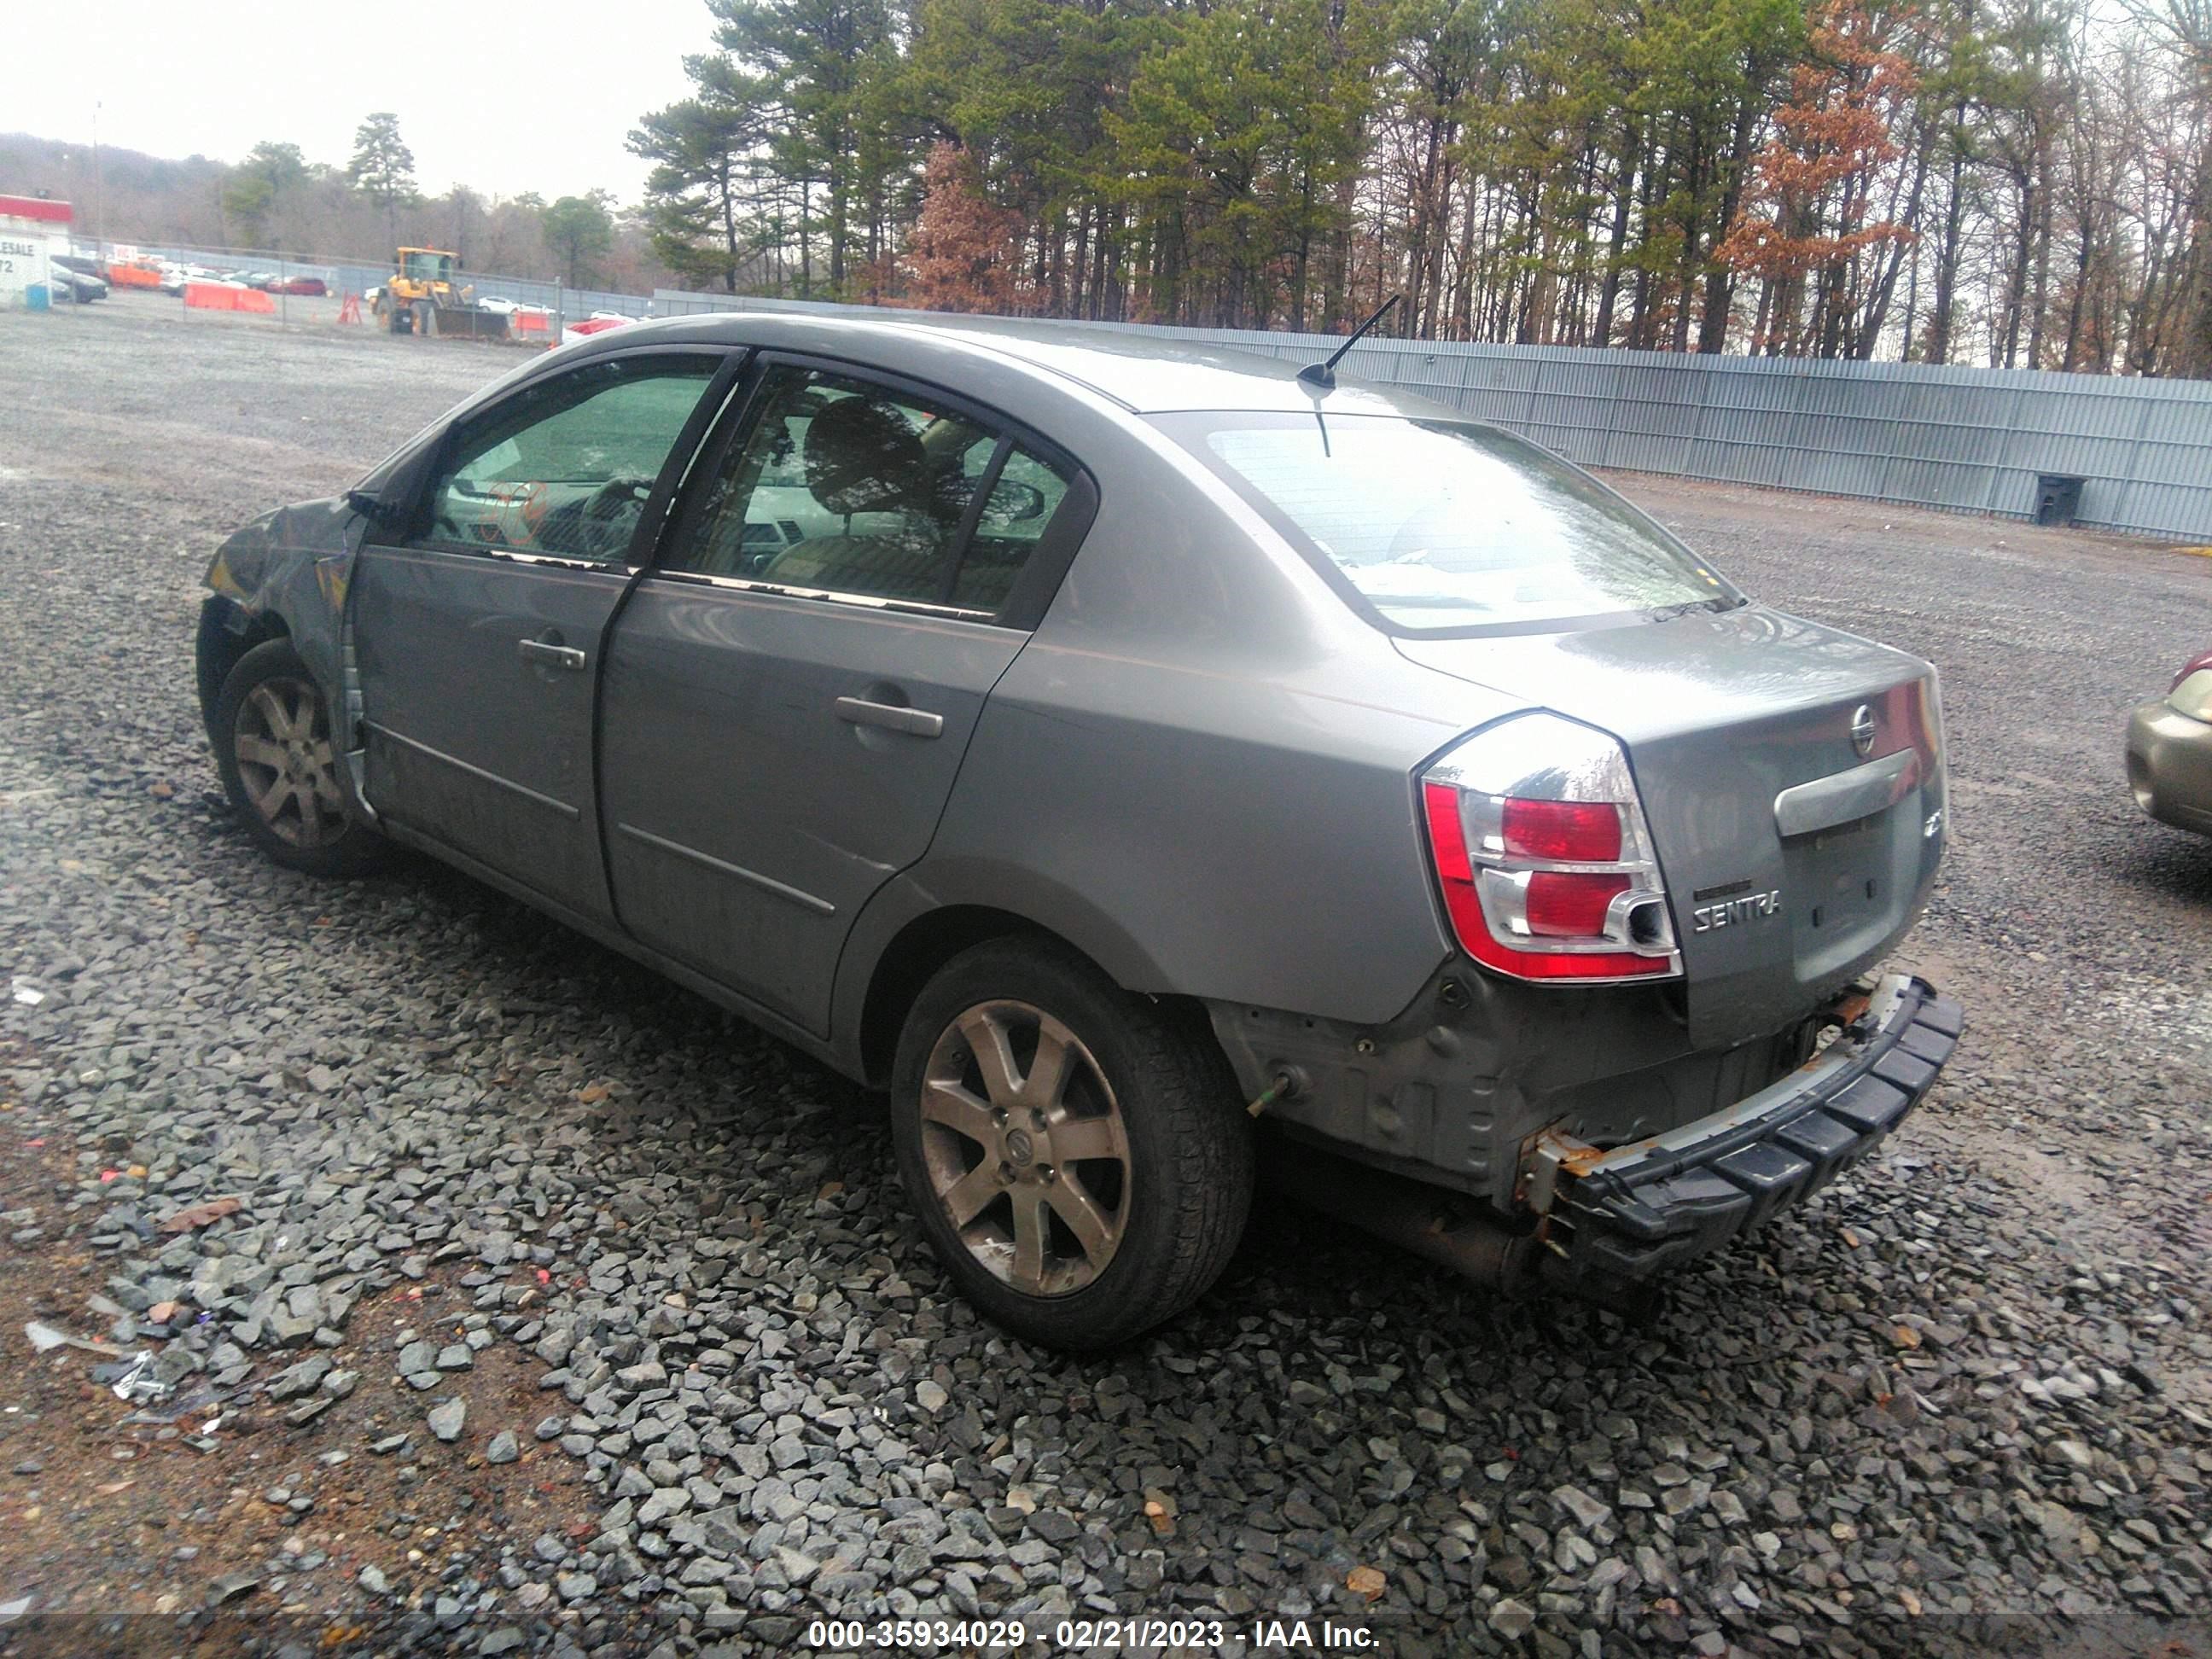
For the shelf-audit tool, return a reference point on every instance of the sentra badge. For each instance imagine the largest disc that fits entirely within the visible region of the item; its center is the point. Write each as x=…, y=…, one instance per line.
x=1752, y=906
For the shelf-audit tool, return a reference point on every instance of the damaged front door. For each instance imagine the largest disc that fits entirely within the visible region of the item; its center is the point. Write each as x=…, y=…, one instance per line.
x=477, y=636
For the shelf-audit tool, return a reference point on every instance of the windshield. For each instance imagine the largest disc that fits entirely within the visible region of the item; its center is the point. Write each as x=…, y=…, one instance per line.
x=429, y=267
x=1449, y=525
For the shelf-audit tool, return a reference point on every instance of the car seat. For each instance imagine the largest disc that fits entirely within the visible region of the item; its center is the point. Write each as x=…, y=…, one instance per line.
x=862, y=456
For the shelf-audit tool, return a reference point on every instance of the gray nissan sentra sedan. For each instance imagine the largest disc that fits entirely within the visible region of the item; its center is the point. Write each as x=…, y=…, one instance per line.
x=1130, y=756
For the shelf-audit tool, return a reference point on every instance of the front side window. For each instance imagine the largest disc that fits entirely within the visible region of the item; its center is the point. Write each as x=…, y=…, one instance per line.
x=1445, y=526
x=847, y=487
x=564, y=466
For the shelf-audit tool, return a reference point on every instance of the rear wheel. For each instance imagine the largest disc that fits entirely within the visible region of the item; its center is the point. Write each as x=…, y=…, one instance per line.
x=1076, y=1153
x=280, y=767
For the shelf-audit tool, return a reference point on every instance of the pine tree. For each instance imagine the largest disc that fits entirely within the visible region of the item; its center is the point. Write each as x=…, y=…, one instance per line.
x=270, y=172
x=812, y=62
x=578, y=230
x=383, y=168
x=699, y=196
x=961, y=255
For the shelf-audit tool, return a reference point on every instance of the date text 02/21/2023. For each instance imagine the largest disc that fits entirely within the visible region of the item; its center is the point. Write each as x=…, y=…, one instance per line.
x=929, y=1635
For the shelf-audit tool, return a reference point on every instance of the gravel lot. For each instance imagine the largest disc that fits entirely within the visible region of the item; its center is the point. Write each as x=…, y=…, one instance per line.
x=712, y=1385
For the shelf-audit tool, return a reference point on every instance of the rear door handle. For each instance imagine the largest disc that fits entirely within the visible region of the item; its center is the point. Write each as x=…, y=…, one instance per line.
x=555, y=656
x=893, y=717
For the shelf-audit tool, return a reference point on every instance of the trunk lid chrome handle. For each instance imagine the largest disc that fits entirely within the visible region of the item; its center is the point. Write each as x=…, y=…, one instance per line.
x=892, y=717
x=1844, y=796
x=554, y=656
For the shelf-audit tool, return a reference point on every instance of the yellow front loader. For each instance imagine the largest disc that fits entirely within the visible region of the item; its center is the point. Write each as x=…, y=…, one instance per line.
x=420, y=298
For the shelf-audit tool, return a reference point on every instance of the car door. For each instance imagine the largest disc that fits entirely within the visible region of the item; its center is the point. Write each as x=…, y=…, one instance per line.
x=790, y=689
x=477, y=630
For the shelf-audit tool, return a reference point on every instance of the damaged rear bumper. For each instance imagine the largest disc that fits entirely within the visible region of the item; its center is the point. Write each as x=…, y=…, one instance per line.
x=1611, y=1221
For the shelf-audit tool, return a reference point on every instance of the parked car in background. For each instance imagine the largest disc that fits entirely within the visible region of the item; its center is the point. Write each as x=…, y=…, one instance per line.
x=312, y=286
x=600, y=322
x=1119, y=751
x=68, y=285
x=175, y=277
x=2169, y=750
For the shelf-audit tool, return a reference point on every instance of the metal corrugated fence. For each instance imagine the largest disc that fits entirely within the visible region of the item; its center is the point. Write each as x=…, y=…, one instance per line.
x=1963, y=440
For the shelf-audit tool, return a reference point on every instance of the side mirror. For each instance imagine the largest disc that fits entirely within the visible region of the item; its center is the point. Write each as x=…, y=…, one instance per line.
x=372, y=507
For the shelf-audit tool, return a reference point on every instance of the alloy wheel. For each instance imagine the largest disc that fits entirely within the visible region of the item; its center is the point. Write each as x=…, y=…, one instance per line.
x=1026, y=1148
x=287, y=764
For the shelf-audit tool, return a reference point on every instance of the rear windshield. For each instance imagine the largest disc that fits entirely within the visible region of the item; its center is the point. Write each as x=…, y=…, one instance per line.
x=1450, y=526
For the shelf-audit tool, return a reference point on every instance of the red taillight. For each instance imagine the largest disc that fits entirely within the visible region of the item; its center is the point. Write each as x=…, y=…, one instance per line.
x=1570, y=906
x=1513, y=860
x=1447, y=839
x=1561, y=831
x=1448, y=843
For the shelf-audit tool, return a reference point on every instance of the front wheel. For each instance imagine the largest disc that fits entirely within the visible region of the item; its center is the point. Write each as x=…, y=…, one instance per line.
x=1076, y=1153
x=279, y=766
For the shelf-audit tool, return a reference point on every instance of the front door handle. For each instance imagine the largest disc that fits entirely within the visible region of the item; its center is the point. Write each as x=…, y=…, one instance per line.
x=554, y=656
x=894, y=717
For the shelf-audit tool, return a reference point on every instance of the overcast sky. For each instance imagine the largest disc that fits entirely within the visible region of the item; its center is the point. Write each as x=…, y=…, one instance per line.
x=504, y=98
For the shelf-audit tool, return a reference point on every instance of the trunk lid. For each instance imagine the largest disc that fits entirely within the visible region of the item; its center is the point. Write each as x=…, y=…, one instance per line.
x=1794, y=858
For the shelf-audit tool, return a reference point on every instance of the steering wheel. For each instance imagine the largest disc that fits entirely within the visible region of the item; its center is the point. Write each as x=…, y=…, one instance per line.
x=595, y=527
x=616, y=494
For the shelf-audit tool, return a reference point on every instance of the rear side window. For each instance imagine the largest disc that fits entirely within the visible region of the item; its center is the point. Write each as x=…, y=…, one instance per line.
x=1023, y=498
x=564, y=466
x=1448, y=527
x=851, y=490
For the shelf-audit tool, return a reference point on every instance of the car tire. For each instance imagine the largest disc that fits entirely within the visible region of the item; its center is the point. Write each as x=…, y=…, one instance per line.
x=1081, y=1211
x=280, y=768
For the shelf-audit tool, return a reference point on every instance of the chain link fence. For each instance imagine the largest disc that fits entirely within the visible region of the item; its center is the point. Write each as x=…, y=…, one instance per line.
x=342, y=277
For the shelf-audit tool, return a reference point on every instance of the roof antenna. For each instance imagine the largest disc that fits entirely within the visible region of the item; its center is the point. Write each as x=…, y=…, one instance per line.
x=1323, y=375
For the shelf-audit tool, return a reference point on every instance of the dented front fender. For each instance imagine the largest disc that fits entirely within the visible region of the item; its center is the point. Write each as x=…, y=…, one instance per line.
x=293, y=565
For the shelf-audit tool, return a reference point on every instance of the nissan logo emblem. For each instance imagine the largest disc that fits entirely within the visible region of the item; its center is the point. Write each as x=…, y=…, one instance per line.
x=1863, y=729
